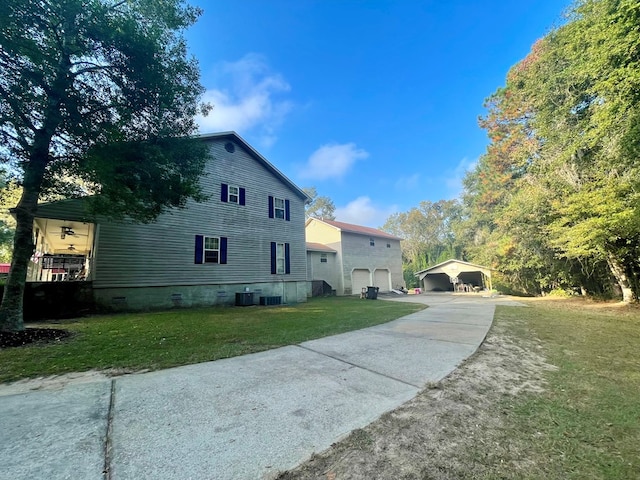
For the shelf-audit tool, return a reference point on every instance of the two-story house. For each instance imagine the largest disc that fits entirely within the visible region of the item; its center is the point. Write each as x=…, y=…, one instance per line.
x=364, y=256
x=249, y=236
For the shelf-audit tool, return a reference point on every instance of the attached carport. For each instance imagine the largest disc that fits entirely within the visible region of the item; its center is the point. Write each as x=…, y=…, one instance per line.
x=455, y=275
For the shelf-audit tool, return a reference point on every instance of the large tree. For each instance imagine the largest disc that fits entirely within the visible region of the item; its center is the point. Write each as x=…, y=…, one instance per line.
x=320, y=206
x=101, y=91
x=555, y=199
x=585, y=91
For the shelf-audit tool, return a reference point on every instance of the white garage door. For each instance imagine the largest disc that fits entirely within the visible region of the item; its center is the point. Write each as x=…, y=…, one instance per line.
x=359, y=278
x=382, y=280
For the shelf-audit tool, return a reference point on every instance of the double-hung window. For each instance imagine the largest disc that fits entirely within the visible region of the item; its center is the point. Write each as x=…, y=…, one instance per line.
x=232, y=194
x=211, y=249
x=279, y=208
x=280, y=258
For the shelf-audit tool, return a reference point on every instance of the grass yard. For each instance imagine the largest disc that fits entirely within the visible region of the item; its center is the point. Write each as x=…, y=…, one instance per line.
x=587, y=422
x=140, y=341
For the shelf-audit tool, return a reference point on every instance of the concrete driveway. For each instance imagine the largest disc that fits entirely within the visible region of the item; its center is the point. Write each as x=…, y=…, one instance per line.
x=247, y=417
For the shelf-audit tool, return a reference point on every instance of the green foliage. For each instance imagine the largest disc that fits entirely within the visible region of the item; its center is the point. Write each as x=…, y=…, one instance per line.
x=427, y=233
x=123, y=170
x=320, y=207
x=559, y=293
x=9, y=195
x=79, y=78
x=554, y=201
x=102, y=92
x=157, y=340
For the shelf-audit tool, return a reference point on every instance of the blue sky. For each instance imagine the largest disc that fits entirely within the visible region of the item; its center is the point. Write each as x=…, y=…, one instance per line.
x=375, y=103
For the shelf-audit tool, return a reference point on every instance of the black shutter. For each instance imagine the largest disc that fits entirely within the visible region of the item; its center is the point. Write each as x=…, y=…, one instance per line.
x=286, y=210
x=273, y=258
x=242, y=196
x=224, y=192
x=270, y=206
x=287, y=260
x=199, y=249
x=223, y=250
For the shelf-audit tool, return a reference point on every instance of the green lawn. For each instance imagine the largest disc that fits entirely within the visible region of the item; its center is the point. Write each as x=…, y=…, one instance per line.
x=587, y=423
x=157, y=340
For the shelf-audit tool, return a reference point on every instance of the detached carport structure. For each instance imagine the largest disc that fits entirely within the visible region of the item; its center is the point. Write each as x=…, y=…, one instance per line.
x=447, y=276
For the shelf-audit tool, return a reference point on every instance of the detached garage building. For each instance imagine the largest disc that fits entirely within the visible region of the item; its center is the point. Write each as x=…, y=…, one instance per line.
x=454, y=275
x=364, y=256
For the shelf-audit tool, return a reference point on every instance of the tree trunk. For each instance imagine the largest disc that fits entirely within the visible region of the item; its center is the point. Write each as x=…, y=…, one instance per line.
x=11, y=315
x=620, y=274
x=11, y=312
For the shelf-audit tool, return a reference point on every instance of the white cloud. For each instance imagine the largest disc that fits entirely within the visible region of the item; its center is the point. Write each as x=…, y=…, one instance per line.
x=332, y=161
x=248, y=97
x=408, y=183
x=454, y=178
x=362, y=211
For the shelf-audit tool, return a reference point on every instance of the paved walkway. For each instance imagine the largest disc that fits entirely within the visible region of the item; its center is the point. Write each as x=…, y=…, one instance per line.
x=247, y=417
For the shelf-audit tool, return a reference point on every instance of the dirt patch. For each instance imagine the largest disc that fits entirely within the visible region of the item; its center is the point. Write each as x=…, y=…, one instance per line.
x=451, y=430
x=32, y=335
x=58, y=382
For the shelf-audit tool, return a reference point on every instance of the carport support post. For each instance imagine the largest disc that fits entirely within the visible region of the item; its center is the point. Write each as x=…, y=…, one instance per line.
x=454, y=282
x=487, y=281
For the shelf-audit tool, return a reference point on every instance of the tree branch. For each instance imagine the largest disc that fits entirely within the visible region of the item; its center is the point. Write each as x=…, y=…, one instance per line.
x=15, y=105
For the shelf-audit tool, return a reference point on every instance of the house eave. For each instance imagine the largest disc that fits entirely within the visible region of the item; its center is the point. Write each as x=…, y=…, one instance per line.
x=268, y=165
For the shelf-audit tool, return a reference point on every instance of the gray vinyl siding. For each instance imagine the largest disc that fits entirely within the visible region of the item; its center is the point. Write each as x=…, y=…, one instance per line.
x=327, y=271
x=162, y=253
x=357, y=253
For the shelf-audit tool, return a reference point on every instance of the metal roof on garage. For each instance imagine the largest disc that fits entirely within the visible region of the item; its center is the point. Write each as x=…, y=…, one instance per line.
x=453, y=266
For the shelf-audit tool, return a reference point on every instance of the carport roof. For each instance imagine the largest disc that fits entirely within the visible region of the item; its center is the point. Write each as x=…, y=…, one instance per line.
x=462, y=266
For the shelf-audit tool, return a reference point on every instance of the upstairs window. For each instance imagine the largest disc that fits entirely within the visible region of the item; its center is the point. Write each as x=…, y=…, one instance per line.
x=388, y=245
x=232, y=194
x=323, y=258
x=372, y=242
x=279, y=208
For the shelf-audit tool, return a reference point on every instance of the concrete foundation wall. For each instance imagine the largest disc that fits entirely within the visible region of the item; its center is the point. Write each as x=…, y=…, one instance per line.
x=146, y=298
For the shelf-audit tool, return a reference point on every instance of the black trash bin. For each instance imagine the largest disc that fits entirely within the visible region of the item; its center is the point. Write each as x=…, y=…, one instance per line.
x=372, y=293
